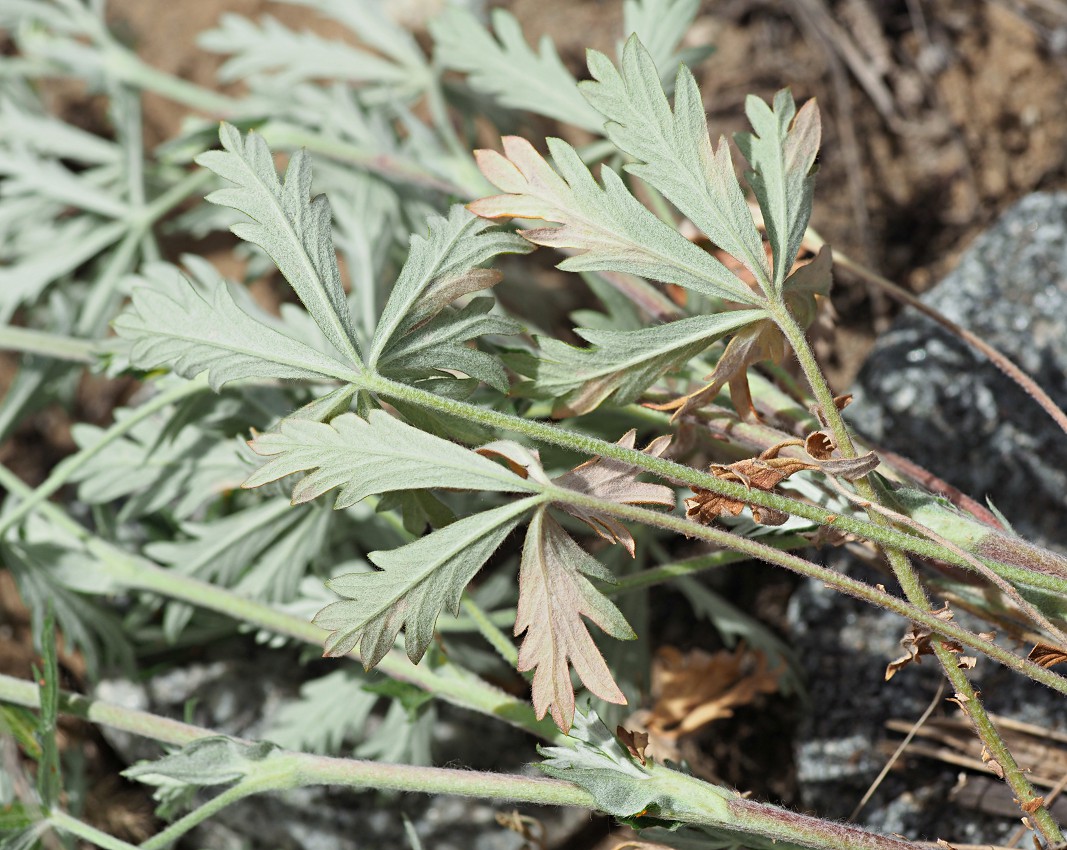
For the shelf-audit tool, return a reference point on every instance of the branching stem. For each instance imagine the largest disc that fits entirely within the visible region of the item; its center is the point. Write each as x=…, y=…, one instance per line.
x=966, y=696
x=692, y=801
x=677, y=473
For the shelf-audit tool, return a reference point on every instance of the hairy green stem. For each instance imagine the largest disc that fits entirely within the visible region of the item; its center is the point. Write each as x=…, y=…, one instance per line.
x=698, y=564
x=678, y=473
x=201, y=813
x=966, y=696
x=57, y=346
x=845, y=584
x=125, y=65
x=103, y=296
x=63, y=822
x=693, y=801
x=492, y=633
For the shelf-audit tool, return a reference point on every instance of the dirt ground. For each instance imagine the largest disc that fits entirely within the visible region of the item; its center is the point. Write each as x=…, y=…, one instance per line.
x=937, y=116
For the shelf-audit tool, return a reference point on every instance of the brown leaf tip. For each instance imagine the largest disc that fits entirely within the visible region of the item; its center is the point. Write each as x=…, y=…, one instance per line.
x=635, y=742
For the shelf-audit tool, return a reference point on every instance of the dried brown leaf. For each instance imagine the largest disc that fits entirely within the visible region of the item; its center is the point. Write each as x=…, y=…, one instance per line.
x=917, y=643
x=636, y=742
x=1047, y=656
x=762, y=473
x=694, y=688
x=616, y=481
x=759, y=341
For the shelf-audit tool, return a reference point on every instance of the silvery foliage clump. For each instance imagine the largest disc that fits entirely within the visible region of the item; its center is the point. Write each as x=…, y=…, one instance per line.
x=356, y=454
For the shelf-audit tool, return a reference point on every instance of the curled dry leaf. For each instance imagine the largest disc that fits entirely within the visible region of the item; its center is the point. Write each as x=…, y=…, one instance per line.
x=917, y=643
x=695, y=688
x=616, y=480
x=761, y=340
x=819, y=445
x=840, y=402
x=990, y=762
x=1047, y=656
x=636, y=742
x=765, y=472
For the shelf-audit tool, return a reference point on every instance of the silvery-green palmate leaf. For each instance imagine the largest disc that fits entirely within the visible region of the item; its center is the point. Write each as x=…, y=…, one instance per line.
x=606, y=226
x=293, y=229
x=661, y=25
x=370, y=20
x=292, y=57
x=673, y=150
x=51, y=575
x=506, y=68
x=340, y=705
x=262, y=538
x=438, y=349
x=554, y=595
x=150, y=474
x=379, y=454
x=34, y=129
x=188, y=328
x=413, y=586
x=623, y=364
x=441, y=266
x=781, y=155
x=92, y=191
x=82, y=238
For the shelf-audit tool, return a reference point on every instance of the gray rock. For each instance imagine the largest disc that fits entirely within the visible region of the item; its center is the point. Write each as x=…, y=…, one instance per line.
x=926, y=395
x=923, y=394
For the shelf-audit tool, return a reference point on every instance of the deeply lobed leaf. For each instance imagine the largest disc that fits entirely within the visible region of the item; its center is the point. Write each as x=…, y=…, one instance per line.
x=506, y=68
x=374, y=455
x=295, y=57
x=294, y=230
x=442, y=266
x=673, y=150
x=662, y=25
x=554, y=596
x=439, y=349
x=188, y=328
x=611, y=230
x=623, y=364
x=781, y=154
x=415, y=583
